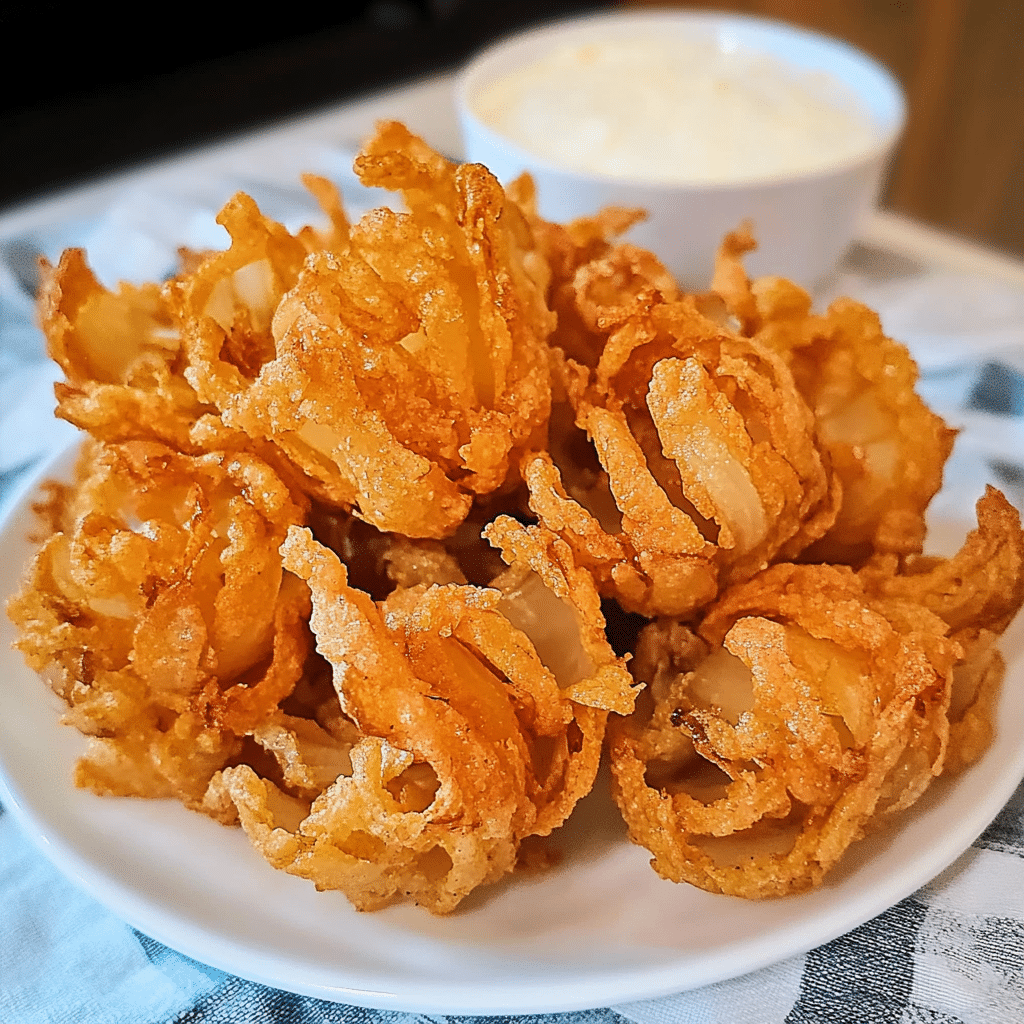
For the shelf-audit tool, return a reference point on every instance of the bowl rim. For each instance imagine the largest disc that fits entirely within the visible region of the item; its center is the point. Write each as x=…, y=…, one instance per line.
x=547, y=35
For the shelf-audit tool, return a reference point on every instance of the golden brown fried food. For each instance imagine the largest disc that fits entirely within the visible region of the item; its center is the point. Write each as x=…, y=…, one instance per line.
x=161, y=614
x=555, y=603
x=886, y=447
x=417, y=345
x=814, y=702
x=976, y=593
x=123, y=353
x=298, y=593
x=589, y=278
x=225, y=304
x=706, y=466
x=791, y=731
x=121, y=356
x=468, y=736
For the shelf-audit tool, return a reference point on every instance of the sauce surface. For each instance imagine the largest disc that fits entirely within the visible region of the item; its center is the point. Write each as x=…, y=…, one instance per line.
x=680, y=112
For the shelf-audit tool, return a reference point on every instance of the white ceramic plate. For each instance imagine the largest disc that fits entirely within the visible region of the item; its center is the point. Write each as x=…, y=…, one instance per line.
x=600, y=929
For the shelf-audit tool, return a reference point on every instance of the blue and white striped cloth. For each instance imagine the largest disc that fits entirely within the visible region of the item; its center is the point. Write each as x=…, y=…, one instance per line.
x=951, y=953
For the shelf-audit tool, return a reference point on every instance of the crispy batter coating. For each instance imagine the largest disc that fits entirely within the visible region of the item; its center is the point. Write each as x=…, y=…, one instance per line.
x=357, y=499
x=416, y=340
x=473, y=730
x=707, y=467
x=976, y=593
x=814, y=702
x=886, y=447
x=121, y=355
x=806, y=717
x=979, y=590
x=161, y=614
x=588, y=276
x=137, y=360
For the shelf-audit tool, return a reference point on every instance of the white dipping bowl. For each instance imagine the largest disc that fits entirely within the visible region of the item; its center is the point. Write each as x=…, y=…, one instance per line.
x=803, y=219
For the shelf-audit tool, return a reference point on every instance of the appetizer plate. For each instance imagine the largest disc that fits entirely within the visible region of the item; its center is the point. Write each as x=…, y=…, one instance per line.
x=599, y=929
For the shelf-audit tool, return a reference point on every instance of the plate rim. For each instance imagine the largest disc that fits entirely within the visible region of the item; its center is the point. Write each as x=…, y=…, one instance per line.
x=756, y=952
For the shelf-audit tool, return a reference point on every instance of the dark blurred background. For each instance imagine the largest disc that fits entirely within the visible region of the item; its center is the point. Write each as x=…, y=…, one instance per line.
x=87, y=90
x=101, y=89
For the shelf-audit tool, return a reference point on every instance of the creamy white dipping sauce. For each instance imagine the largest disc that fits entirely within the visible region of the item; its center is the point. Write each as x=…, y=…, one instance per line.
x=682, y=113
